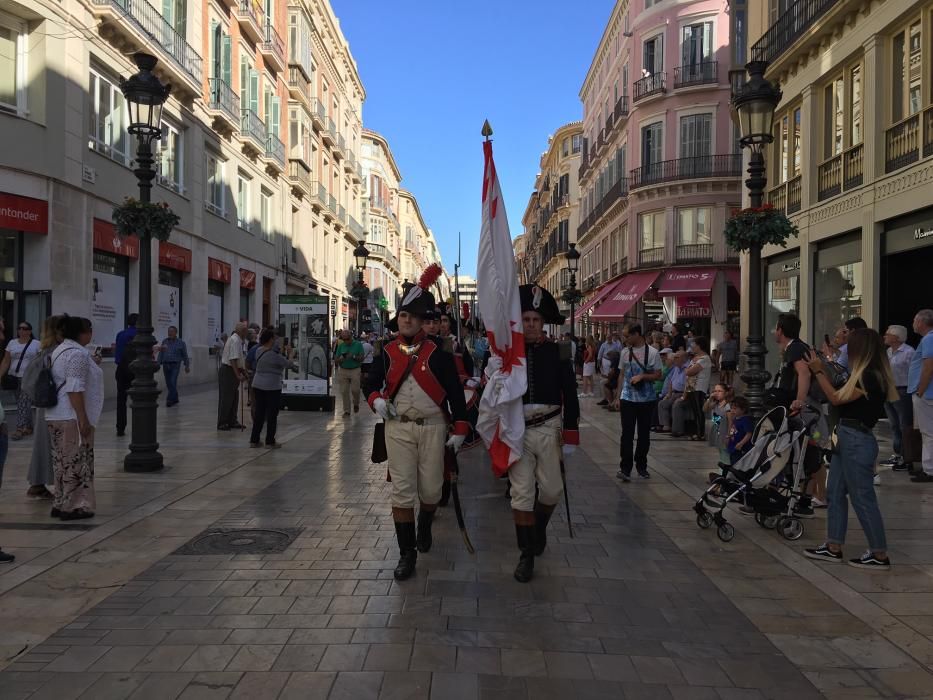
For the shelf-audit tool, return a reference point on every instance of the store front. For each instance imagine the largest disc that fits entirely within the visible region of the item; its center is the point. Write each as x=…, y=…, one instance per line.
x=110, y=283
x=838, y=283
x=906, y=263
x=174, y=264
x=21, y=217
x=782, y=296
x=247, y=287
x=219, y=276
x=687, y=295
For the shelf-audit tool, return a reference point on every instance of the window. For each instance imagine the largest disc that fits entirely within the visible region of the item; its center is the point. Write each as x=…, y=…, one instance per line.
x=652, y=148
x=175, y=13
x=696, y=136
x=833, y=117
x=795, y=135
x=221, y=60
x=776, y=8
x=652, y=229
x=377, y=230
x=907, y=62
x=693, y=225
x=739, y=37
x=788, y=140
x=215, y=186
x=109, y=118
x=13, y=50
x=653, y=55
x=565, y=147
x=697, y=43
x=249, y=86
x=242, y=201
x=171, y=158
x=855, y=105
x=576, y=143
x=265, y=214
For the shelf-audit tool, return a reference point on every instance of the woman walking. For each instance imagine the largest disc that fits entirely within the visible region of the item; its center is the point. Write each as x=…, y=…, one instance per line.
x=19, y=353
x=267, y=388
x=860, y=403
x=589, y=366
x=698, y=375
x=40, y=464
x=72, y=420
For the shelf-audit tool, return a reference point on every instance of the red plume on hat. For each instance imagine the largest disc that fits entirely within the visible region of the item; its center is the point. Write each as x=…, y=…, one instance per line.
x=430, y=276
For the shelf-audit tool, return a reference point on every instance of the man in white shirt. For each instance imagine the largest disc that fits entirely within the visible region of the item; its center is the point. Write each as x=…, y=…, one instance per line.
x=900, y=412
x=232, y=372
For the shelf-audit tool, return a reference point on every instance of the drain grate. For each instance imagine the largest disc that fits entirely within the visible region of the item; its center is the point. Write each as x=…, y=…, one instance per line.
x=241, y=541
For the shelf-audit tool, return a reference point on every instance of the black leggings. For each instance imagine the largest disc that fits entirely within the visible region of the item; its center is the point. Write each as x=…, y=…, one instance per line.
x=697, y=399
x=266, y=407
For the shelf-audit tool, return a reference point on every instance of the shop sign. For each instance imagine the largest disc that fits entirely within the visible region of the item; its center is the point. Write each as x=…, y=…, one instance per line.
x=174, y=256
x=247, y=279
x=219, y=271
x=108, y=240
x=790, y=266
x=920, y=234
x=693, y=307
x=24, y=213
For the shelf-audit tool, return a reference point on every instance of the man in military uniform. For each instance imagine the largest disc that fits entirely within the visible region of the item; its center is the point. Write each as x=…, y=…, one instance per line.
x=552, y=413
x=415, y=389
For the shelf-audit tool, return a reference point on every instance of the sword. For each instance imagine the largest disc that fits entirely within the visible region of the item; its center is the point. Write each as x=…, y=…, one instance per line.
x=563, y=477
x=458, y=509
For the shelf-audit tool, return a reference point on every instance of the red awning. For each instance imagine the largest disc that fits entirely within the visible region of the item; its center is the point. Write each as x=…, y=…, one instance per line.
x=624, y=296
x=734, y=277
x=681, y=282
x=597, y=298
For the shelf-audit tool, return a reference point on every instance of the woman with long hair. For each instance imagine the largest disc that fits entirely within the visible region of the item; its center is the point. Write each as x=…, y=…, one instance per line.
x=698, y=376
x=860, y=403
x=589, y=366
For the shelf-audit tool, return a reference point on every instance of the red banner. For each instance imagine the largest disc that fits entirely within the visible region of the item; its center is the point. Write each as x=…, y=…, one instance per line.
x=174, y=256
x=219, y=271
x=247, y=279
x=693, y=307
x=24, y=213
x=107, y=239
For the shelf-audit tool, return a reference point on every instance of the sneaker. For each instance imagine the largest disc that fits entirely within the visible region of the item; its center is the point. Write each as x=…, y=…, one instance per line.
x=802, y=511
x=39, y=491
x=823, y=552
x=6, y=558
x=876, y=480
x=622, y=475
x=602, y=403
x=817, y=503
x=890, y=461
x=901, y=467
x=644, y=475
x=870, y=561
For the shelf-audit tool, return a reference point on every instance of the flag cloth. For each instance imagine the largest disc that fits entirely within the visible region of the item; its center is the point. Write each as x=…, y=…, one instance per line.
x=501, y=421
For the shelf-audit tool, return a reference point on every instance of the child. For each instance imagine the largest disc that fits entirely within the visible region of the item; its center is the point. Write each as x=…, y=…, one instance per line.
x=718, y=405
x=740, y=429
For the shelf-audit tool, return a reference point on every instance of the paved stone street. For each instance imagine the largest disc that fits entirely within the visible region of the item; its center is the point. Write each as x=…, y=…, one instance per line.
x=640, y=604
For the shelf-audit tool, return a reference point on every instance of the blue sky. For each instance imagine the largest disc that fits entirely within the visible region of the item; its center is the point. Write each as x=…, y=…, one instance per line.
x=434, y=69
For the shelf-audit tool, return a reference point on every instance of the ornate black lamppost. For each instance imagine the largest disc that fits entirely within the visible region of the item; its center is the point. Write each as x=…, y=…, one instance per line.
x=144, y=96
x=754, y=105
x=360, y=290
x=572, y=295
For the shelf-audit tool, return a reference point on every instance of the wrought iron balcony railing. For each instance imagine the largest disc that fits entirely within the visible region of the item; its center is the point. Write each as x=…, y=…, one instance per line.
x=648, y=86
x=223, y=97
x=725, y=165
x=691, y=74
x=790, y=26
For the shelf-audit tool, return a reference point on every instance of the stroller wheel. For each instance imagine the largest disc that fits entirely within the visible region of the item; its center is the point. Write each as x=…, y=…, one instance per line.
x=704, y=520
x=768, y=522
x=790, y=528
x=725, y=532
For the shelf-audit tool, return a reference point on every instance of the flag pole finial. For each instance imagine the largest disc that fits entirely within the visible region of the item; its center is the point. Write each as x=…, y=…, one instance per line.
x=487, y=129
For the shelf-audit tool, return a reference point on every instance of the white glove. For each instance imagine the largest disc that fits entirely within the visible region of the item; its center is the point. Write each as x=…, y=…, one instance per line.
x=455, y=442
x=472, y=383
x=381, y=407
x=494, y=365
x=569, y=450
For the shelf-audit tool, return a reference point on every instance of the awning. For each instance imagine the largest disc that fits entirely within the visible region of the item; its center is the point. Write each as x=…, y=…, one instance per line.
x=624, y=296
x=681, y=282
x=734, y=277
x=597, y=298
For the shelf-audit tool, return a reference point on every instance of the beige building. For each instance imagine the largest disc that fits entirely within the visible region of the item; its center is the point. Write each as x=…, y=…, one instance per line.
x=551, y=216
x=852, y=160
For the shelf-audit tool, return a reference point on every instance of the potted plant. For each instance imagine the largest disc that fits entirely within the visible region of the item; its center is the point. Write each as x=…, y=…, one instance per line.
x=144, y=219
x=758, y=226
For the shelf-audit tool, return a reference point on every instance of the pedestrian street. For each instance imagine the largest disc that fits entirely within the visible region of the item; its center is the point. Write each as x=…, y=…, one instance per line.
x=640, y=603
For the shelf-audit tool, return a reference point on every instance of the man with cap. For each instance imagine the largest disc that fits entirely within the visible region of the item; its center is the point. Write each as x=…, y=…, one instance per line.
x=552, y=393
x=414, y=388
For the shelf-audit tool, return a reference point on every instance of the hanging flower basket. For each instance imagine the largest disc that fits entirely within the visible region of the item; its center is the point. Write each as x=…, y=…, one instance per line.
x=761, y=226
x=146, y=220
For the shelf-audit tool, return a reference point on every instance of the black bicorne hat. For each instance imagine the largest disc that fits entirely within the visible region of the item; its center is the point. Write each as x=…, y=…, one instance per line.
x=419, y=301
x=535, y=298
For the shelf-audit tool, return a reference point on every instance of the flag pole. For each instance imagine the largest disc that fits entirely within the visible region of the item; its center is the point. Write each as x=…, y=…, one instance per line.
x=456, y=313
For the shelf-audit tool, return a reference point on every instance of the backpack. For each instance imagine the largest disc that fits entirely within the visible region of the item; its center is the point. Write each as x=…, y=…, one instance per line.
x=45, y=390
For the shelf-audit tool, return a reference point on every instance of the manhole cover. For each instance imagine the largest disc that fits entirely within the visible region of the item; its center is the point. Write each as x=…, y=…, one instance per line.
x=231, y=541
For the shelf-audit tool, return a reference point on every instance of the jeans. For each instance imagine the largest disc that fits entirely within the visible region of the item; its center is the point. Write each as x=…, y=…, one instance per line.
x=636, y=420
x=171, y=370
x=851, y=475
x=900, y=416
x=124, y=380
x=266, y=407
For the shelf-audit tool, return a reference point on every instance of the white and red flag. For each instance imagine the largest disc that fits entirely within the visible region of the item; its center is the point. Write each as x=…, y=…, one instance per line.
x=501, y=421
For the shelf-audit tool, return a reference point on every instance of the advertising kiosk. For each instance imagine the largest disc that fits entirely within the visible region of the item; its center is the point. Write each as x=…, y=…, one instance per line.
x=304, y=325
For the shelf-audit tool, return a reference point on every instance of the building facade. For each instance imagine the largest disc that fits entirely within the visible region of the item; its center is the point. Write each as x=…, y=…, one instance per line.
x=852, y=160
x=660, y=170
x=551, y=217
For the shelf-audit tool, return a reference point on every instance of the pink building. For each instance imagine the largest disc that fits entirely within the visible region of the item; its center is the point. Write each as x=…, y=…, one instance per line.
x=661, y=170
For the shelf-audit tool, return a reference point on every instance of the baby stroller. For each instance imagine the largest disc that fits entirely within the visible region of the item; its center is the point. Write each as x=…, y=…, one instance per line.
x=770, y=479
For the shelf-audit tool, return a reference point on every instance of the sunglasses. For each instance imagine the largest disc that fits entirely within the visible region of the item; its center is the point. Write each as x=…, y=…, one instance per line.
x=25, y=328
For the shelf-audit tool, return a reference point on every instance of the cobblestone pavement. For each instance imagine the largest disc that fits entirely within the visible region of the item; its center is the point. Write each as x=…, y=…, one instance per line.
x=640, y=604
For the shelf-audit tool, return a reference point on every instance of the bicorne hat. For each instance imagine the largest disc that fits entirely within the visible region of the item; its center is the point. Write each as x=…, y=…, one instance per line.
x=535, y=298
x=419, y=301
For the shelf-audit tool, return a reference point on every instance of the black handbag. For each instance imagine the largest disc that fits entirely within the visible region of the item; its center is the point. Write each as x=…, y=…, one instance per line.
x=379, y=452
x=9, y=381
x=45, y=394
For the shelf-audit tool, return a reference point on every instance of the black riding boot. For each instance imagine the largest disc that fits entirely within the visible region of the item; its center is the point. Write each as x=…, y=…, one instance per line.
x=405, y=533
x=445, y=494
x=542, y=517
x=525, y=534
x=425, y=518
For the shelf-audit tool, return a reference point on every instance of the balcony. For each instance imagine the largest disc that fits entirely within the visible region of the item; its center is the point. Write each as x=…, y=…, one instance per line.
x=250, y=15
x=299, y=87
x=381, y=252
x=332, y=203
x=275, y=153
x=902, y=143
x=792, y=25
x=694, y=252
x=341, y=143
x=272, y=48
x=697, y=167
x=651, y=257
x=693, y=74
x=299, y=177
x=136, y=24
x=621, y=109
x=357, y=174
x=318, y=114
x=223, y=103
x=648, y=86
x=329, y=134
x=252, y=131
x=786, y=197
x=356, y=228
x=318, y=196
x=349, y=161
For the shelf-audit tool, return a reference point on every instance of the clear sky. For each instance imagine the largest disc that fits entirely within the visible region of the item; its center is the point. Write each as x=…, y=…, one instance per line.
x=434, y=69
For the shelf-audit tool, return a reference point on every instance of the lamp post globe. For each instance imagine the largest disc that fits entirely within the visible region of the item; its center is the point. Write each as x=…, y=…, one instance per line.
x=145, y=95
x=754, y=104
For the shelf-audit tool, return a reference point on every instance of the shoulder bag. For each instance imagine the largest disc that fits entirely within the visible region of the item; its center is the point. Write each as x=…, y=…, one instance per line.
x=379, y=452
x=45, y=393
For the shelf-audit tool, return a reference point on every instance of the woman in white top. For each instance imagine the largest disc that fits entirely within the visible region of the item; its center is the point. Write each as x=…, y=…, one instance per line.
x=19, y=353
x=698, y=378
x=72, y=420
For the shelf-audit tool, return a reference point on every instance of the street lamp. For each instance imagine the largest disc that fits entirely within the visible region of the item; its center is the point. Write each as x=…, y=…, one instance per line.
x=144, y=95
x=754, y=105
x=573, y=262
x=383, y=313
x=360, y=253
